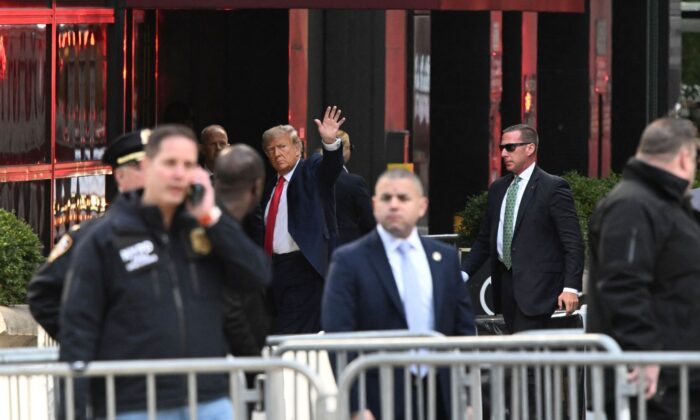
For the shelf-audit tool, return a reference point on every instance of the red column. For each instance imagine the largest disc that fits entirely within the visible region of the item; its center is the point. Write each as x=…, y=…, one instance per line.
x=395, y=71
x=298, y=69
x=528, y=108
x=496, y=52
x=600, y=69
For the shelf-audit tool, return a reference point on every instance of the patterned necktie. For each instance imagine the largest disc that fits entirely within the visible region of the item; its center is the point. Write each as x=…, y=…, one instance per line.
x=417, y=312
x=272, y=216
x=509, y=221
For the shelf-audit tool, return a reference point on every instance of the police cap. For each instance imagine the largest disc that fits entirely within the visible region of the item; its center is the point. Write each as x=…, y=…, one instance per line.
x=127, y=148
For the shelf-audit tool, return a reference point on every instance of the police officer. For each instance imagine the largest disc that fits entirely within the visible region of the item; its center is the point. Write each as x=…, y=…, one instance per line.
x=146, y=282
x=124, y=154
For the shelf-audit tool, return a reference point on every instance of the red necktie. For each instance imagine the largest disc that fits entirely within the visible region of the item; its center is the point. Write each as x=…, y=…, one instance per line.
x=272, y=215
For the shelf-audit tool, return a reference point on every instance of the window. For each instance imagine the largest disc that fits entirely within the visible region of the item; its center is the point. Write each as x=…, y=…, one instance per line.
x=50, y=170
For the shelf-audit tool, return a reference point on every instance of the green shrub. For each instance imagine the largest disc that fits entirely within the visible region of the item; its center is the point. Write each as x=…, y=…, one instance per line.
x=471, y=217
x=20, y=256
x=586, y=191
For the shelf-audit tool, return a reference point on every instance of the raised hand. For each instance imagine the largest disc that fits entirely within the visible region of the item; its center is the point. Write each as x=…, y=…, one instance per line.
x=328, y=129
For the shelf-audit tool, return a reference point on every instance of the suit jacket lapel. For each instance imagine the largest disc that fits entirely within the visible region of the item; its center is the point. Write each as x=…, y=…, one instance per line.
x=376, y=255
x=527, y=198
x=435, y=260
x=496, y=210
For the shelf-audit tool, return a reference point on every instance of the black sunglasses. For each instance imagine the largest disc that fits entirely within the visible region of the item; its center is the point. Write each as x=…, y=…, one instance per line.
x=510, y=147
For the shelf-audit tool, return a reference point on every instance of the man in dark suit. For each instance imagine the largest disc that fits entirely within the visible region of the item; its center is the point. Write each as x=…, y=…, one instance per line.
x=353, y=205
x=239, y=176
x=394, y=279
x=296, y=221
x=532, y=236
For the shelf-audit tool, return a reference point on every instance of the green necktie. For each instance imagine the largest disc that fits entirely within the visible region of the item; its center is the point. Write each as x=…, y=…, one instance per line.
x=509, y=221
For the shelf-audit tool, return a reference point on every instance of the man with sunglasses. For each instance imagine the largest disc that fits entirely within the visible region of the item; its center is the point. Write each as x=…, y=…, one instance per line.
x=531, y=234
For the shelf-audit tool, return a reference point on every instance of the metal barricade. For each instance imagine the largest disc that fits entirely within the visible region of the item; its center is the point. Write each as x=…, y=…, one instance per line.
x=553, y=341
x=498, y=363
x=316, y=357
x=27, y=398
x=28, y=355
x=190, y=368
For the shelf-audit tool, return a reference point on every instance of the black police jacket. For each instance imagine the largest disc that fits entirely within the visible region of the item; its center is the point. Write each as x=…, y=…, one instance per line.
x=45, y=289
x=645, y=271
x=138, y=291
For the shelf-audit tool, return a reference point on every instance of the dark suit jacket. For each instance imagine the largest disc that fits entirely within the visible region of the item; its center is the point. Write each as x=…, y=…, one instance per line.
x=308, y=195
x=361, y=295
x=246, y=314
x=353, y=207
x=547, y=249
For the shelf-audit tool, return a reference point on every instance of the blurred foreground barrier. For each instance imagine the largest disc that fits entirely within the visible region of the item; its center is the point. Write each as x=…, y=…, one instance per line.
x=150, y=369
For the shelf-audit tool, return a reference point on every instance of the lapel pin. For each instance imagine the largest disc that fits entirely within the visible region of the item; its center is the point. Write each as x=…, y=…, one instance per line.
x=437, y=256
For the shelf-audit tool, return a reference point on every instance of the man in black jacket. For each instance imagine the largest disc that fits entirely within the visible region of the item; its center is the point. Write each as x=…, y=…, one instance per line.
x=239, y=181
x=645, y=270
x=146, y=282
x=124, y=155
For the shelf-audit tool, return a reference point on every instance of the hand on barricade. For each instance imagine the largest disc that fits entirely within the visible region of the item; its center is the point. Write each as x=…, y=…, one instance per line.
x=363, y=415
x=568, y=301
x=650, y=377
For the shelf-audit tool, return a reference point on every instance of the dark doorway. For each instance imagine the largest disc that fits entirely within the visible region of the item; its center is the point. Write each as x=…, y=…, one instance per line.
x=225, y=67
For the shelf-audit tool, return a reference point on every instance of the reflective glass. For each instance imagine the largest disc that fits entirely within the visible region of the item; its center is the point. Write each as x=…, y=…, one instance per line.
x=81, y=86
x=25, y=94
x=30, y=201
x=84, y=3
x=76, y=200
x=25, y=3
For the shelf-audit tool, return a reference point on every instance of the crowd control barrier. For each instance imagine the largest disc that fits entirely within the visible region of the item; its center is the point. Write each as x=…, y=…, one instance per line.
x=499, y=362
x=346, y=348
x=150, y=369
x=296, y=401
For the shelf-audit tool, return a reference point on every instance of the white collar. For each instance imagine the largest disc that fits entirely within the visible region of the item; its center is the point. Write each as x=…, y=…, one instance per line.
x=288, y=175
x=391, y=242
x=527, y=173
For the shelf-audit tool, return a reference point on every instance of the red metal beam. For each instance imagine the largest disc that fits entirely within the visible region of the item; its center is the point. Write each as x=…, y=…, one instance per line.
x=298, y=70
x=10, y=16
x=495, y=94
x=572, y=6
x=395, y=72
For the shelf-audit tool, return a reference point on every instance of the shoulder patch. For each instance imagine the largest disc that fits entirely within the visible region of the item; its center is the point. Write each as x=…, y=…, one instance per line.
x=61, y=247
x=199, y=241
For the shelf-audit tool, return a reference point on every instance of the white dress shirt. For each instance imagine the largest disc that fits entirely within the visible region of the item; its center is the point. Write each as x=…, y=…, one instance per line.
x=420, y=264
x=282, y=241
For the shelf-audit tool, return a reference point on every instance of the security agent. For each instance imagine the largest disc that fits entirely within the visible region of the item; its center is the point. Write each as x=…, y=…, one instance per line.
x=239, y=179
x=146, y=283
x=124, y=154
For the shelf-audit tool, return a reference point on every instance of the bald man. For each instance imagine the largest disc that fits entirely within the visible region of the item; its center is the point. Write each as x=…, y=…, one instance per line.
x=239, y=176
x=212, y=141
